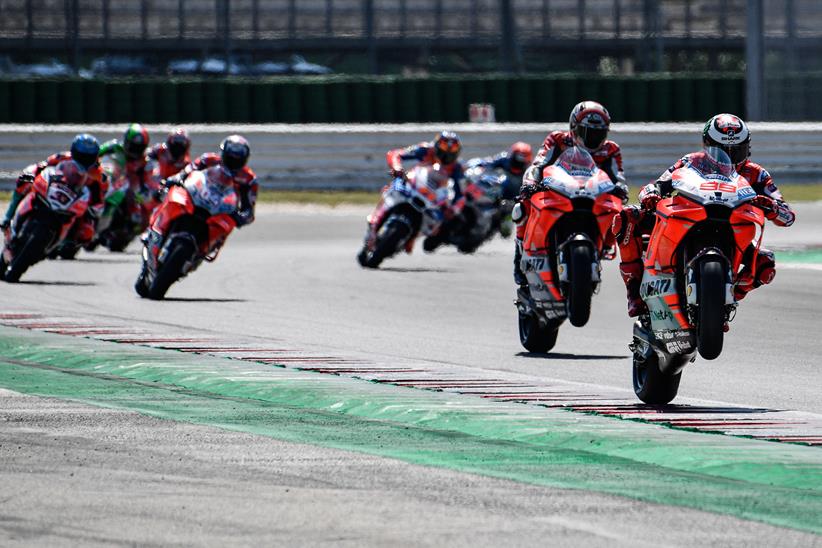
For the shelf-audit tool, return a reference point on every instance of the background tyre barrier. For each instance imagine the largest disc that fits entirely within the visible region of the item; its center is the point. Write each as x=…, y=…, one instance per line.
x=346, y=99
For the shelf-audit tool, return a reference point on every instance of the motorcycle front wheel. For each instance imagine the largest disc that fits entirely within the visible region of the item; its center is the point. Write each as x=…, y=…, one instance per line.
x=711, y=312
x=36, y=237
x=580, y=287
x=388, y=242
x=171, y=269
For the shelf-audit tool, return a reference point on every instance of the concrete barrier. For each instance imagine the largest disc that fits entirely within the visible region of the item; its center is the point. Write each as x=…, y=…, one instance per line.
x=353, y=156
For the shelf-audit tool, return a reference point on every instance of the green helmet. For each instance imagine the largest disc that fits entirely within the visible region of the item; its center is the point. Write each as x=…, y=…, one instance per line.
x=135, y=141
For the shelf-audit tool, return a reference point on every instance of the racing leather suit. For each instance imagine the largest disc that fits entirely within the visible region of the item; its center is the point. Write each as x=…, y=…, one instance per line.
x=82, y=231
x=500, y=162
x=244, y=180
x=608, y=157
x=636, y=221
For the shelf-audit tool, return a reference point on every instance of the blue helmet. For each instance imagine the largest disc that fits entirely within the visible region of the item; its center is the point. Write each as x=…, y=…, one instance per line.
x=84, y=150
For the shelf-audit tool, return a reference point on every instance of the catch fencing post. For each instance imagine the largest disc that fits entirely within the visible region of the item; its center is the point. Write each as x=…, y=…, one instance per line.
x=754, y=54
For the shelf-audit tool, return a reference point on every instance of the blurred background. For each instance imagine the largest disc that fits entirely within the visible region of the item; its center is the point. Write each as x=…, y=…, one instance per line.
x=369, y=61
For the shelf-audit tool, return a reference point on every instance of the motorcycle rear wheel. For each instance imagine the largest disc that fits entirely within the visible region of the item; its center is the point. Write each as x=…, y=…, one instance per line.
x=36, y=236
x=580, y=287
x=387, y=244
x=651, y=385
x=534, y=337
x=171, y=269
x=711, y=312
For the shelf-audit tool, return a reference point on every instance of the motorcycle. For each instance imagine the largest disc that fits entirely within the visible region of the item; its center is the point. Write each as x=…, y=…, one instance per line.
x=128, y=207
x=691, y=263
x=570, y=218
x=189, y=227
x=43, y=220
x=486, y=210
x=407, y=207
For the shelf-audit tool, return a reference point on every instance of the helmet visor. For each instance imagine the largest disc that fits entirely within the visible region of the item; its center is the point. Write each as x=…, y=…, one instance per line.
x=177, y=148
x=591, y=137
x=738, y=153
x=84, y=159
x=134, y=149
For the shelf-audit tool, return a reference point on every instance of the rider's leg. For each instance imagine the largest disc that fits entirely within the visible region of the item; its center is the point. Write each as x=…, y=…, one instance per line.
x=750, y=278
x=520, y=216
x=628, y=233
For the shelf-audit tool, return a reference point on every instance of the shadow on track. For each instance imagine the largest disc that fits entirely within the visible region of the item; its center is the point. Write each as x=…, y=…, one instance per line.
x=101, y=260
x=203, y=300
x=57, y=282
x=412, y=269
x=562, y=356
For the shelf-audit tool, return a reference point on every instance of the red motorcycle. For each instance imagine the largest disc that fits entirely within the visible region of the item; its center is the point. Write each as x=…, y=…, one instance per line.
x=566, y=235
x=59, y=197
x=189, y=227
x=693, y=258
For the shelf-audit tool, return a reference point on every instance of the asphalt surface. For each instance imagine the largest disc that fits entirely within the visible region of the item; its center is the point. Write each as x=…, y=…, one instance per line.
x=292, y=277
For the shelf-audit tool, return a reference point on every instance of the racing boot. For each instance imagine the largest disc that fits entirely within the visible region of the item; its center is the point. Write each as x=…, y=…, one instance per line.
x=632, y=276
x=519, y=275
x=747, y=280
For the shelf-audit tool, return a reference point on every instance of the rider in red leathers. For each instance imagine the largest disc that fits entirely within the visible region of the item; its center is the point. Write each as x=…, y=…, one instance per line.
x=589, y=124
x=84, y=150
x=231, y=164
x=172, y=155
x=731, y=134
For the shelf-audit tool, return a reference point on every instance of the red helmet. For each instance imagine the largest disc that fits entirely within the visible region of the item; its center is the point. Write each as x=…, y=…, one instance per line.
x=447, y=147
x=731, y=134
x=520, y=156
x=589, y=124
x=178, y=143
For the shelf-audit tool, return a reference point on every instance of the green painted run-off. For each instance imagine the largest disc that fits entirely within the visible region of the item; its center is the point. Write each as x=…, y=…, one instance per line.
x=775, y=483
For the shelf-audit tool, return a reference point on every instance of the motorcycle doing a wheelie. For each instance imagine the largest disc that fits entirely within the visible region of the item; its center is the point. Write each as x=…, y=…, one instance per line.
x=59, y=197
x=692, y=261
x=189, y=227
x=485, y=211
x=407, y=207
x=566, y=235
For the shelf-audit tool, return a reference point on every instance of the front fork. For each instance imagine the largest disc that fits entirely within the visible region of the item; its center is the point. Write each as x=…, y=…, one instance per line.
x=692, y=284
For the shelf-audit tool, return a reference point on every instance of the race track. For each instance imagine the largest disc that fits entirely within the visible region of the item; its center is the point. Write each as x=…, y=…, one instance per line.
x=289, y=288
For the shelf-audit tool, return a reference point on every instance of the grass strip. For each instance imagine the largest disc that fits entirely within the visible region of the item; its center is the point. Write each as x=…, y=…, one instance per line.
x=775, y=483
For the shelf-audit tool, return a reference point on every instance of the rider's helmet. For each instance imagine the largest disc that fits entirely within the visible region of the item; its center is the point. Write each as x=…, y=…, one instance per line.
x=234, y=153
x=731, y=134
x=84, y=150
x=178, y=143
x=135, y=141
x=589, y=124
x=447, y=147
x=520, y=156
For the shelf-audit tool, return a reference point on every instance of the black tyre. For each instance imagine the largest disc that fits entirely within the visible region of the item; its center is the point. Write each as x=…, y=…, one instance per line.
x=580, y=286
x=68, y=252
x=3, y=266
x=711, y=312
x=34, y=240
x=534, y=337
x=651, y=385
x=387, y=243
x=140, y=285
x=171, y=268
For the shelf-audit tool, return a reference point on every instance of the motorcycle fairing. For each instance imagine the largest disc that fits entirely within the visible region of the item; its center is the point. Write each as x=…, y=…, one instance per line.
x=546, y=208
x=659, y=291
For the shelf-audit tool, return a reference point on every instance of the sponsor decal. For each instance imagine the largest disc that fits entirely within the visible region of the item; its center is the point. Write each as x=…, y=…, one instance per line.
x=656, y=287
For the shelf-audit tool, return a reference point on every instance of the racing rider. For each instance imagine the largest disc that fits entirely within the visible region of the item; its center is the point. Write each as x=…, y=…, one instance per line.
x=731, y=134
x=130, y=154
x=444, y=150
x=172, y=155
x=512, y=162
x=83, y=153
x=588, y=128
x=229, y=166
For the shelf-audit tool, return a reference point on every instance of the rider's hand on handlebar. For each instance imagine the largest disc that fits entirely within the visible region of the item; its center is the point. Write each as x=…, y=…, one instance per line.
x=766, y=204
x=25, y=178
x=399, y=174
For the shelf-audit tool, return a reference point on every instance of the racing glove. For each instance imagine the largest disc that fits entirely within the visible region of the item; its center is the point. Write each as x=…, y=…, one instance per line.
x=621, y=192
x=25, y=178
x=767, y=205
x=399, y=174
x=649, y=196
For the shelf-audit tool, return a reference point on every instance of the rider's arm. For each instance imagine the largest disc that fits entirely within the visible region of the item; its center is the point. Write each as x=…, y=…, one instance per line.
x=546, y=156
x=783, y=214
x=248, y=199
x=395, y=157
